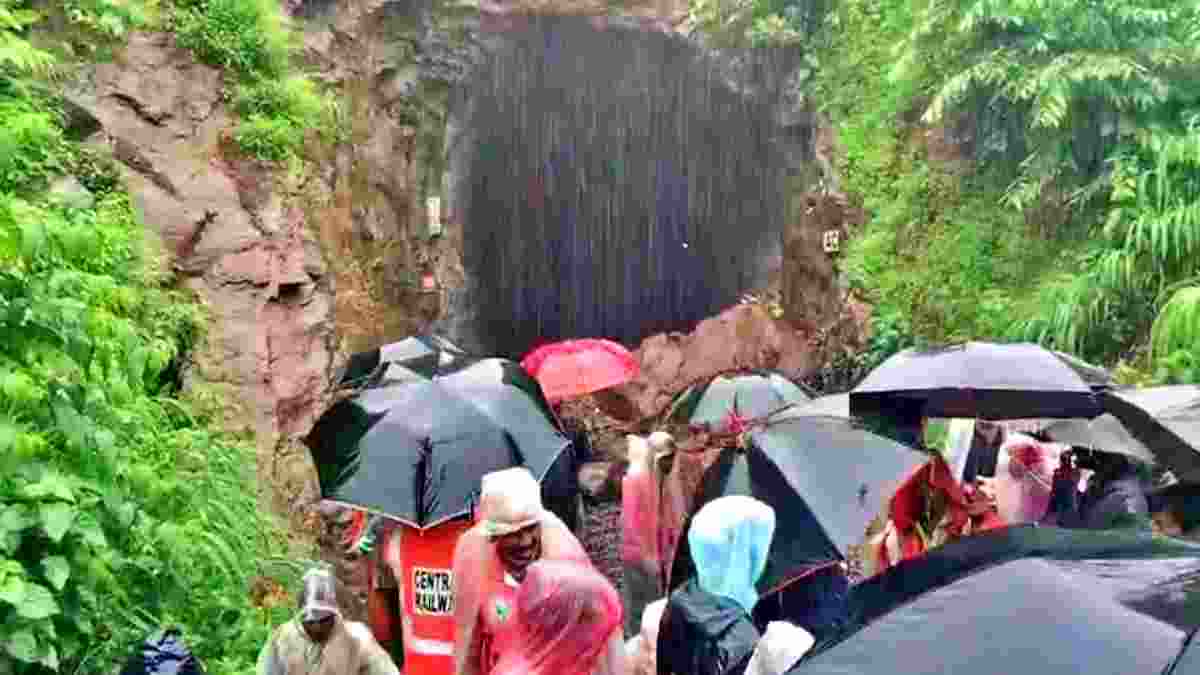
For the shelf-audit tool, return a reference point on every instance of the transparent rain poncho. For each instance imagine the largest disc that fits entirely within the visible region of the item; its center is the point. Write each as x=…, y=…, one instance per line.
x=350, y=647
x=566, y=616
x=729, y=540
x=1024, y=477
x=781, y=646
x=507, y=497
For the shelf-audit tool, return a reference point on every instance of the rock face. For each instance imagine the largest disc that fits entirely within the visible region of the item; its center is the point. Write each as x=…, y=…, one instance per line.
x=234, y=232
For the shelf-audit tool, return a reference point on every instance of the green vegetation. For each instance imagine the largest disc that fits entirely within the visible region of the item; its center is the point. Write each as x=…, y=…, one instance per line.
x=1030, y=169
x=122, y=509
x=251, y=39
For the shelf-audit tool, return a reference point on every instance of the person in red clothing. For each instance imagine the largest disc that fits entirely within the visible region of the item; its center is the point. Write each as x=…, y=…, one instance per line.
x=490, y=562
x=930, y=509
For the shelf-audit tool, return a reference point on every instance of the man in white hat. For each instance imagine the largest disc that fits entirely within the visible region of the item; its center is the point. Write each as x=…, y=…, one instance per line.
x=491, y=559
x=319, y=641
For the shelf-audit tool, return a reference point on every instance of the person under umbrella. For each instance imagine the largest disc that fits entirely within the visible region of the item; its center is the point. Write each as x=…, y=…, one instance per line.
x=567, y=616
x=491, y=560
x=378, y=540
x=930, y=508
x=319, y=641
x=706, y=627
x=1114, y=497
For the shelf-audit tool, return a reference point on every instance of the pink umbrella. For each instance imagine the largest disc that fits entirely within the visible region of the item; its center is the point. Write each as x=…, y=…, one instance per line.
x=577, y=367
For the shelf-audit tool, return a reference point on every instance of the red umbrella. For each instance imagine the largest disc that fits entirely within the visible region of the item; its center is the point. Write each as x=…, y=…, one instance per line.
x=576, y=367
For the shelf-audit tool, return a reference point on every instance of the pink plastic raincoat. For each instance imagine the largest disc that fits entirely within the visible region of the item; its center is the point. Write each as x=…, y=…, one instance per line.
x=567, y=615
x=639, y=508
x=1024, y=476
x=482, y=593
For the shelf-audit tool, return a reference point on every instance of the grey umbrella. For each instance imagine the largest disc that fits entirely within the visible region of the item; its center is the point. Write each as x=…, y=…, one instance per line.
x=1103, y=433
x=834, y=405
x=1164, y=419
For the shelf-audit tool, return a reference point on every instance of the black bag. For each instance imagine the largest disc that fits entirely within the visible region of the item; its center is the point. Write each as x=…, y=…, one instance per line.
x=165, y=654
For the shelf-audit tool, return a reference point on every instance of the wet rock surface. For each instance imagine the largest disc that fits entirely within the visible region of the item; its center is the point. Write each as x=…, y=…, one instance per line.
x=233, y=231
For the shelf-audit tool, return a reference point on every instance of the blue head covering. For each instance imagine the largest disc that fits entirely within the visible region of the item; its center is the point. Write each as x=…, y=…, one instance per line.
x=729, y=539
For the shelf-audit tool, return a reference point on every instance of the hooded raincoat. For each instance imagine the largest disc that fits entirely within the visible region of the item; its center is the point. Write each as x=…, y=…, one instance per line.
x=707, y=628
x=350, y=648
x=485, y=593
x=908, y=532
x=566, y=616
x=640, y=532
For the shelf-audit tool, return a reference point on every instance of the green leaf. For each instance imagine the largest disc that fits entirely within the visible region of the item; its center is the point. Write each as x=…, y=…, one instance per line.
x=39, y=603
x=16, y=517
x=51, y=485
x=57, y=570
x=8, y=436
x=22, y=646
x=88, y=529
x=49, y=657
x=56, y=519
x=12, y=589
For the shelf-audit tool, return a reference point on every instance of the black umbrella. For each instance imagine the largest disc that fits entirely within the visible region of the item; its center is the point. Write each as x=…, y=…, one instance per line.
x=416, y=358
x=416, y=451
x=981, y=380
x=826, y=478
x=1165, y=419
x=1029, y=600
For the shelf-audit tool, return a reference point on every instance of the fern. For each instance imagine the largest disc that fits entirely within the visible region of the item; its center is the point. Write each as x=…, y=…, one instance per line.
x=17, y=56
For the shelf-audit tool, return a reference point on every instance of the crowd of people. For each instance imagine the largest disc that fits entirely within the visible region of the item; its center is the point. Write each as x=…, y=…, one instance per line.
x=528, y=601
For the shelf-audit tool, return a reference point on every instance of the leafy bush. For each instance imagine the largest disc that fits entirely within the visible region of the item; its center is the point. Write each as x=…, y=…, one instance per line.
x=1085, y=109
x=251, y=38
x=108, y=19
x=248, y=37
x=32, y=147
x=122, y=508
x=277, y=114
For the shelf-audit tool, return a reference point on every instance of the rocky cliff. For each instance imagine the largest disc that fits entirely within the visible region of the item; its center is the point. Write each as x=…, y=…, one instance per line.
x=234, y=229
x=300, y=264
